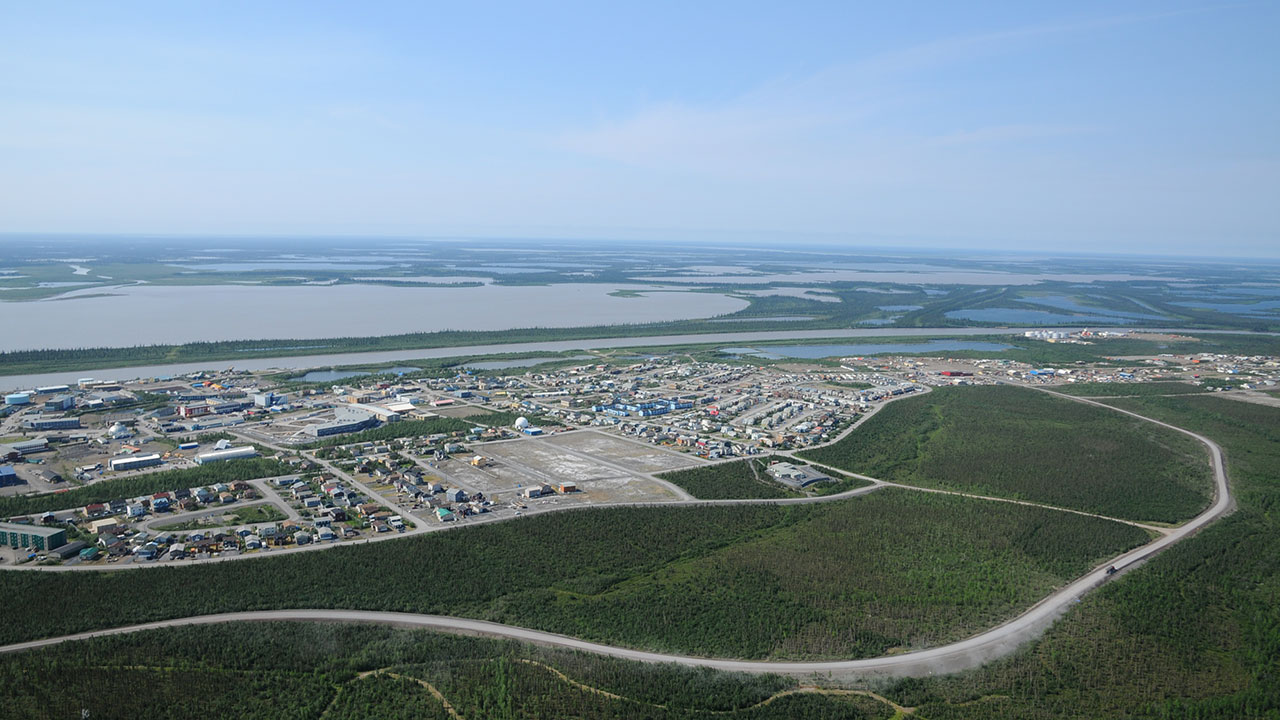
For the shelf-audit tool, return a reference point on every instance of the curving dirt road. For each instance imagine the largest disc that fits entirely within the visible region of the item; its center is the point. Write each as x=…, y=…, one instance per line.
x=969, y=653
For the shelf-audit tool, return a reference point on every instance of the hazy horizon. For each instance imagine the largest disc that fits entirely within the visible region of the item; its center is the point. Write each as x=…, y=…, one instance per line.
x=1133, y=128
x=833, y=245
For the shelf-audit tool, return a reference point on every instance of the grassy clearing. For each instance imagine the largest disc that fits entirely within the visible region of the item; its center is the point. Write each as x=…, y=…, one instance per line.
x=1023, y=444
x=853, y=578
x=265, y=512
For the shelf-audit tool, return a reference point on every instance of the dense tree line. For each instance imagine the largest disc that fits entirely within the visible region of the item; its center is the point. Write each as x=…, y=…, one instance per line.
x=299, y=670
x=1195, y=633
x=741, y=479
x=1023, y=444
x=852, y=578
x=1129, y=389
x=144, y=484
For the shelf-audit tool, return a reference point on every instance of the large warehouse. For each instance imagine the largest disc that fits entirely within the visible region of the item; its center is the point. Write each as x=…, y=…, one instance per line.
x=247, y=451
x=32, y=536
x=133, y=462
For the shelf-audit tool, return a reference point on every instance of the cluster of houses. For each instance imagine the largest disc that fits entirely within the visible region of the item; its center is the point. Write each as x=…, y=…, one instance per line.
x=431, y=494
x=176, y=500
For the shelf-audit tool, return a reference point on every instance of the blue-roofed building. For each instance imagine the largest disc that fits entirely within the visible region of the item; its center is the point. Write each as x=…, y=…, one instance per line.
x=9, y=476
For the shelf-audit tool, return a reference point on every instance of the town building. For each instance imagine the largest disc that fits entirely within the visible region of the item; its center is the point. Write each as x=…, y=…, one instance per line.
x=32, y=536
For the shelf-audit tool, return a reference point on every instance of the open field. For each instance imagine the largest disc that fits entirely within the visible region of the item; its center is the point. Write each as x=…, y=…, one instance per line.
x=852, y=578
x=1194, y=634
x=636, y=456
x=1023, y=444
x=288, y=670
x=521, y=463
x=730, y=480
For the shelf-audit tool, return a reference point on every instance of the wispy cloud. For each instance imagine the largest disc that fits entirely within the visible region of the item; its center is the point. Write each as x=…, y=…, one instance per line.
x=843, y=115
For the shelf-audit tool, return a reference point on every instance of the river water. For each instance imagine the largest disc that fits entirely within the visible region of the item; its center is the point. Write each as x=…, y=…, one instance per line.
x=303, y=362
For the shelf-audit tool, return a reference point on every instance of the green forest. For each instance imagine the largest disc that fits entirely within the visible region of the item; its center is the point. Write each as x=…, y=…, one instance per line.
x=732, y=480
x=1195, y=634
x=1142, y=389
x=1019, y=443
x=145, y=484
x=857, y=577
x=301, y=671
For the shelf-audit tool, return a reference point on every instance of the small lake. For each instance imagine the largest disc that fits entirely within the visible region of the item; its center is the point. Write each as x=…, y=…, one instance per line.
x=336, y=375
x=814, y=352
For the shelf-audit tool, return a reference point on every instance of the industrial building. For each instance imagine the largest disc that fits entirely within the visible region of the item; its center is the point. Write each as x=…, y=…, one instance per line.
x=348, y=419
x=267, y=399
x=133, y=462
x=42, y=422
x=32, y=536
x=9, y=476
x=377, y=411
x=796, y=477
x=14, y=450
x=190, y=411
x=247, y=451
x=59, y=403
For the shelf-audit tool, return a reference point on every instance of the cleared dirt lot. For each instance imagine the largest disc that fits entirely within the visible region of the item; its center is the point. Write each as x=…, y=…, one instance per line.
x=631, y=455
x=521, y=463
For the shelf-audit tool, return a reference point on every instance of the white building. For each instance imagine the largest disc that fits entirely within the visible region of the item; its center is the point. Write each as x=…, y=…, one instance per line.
x=234, y=453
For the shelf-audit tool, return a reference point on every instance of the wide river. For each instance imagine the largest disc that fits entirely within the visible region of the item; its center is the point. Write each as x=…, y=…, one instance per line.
x=303, y=362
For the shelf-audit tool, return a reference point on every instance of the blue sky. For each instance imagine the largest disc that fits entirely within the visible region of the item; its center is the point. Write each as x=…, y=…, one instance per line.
x=1085, y=126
